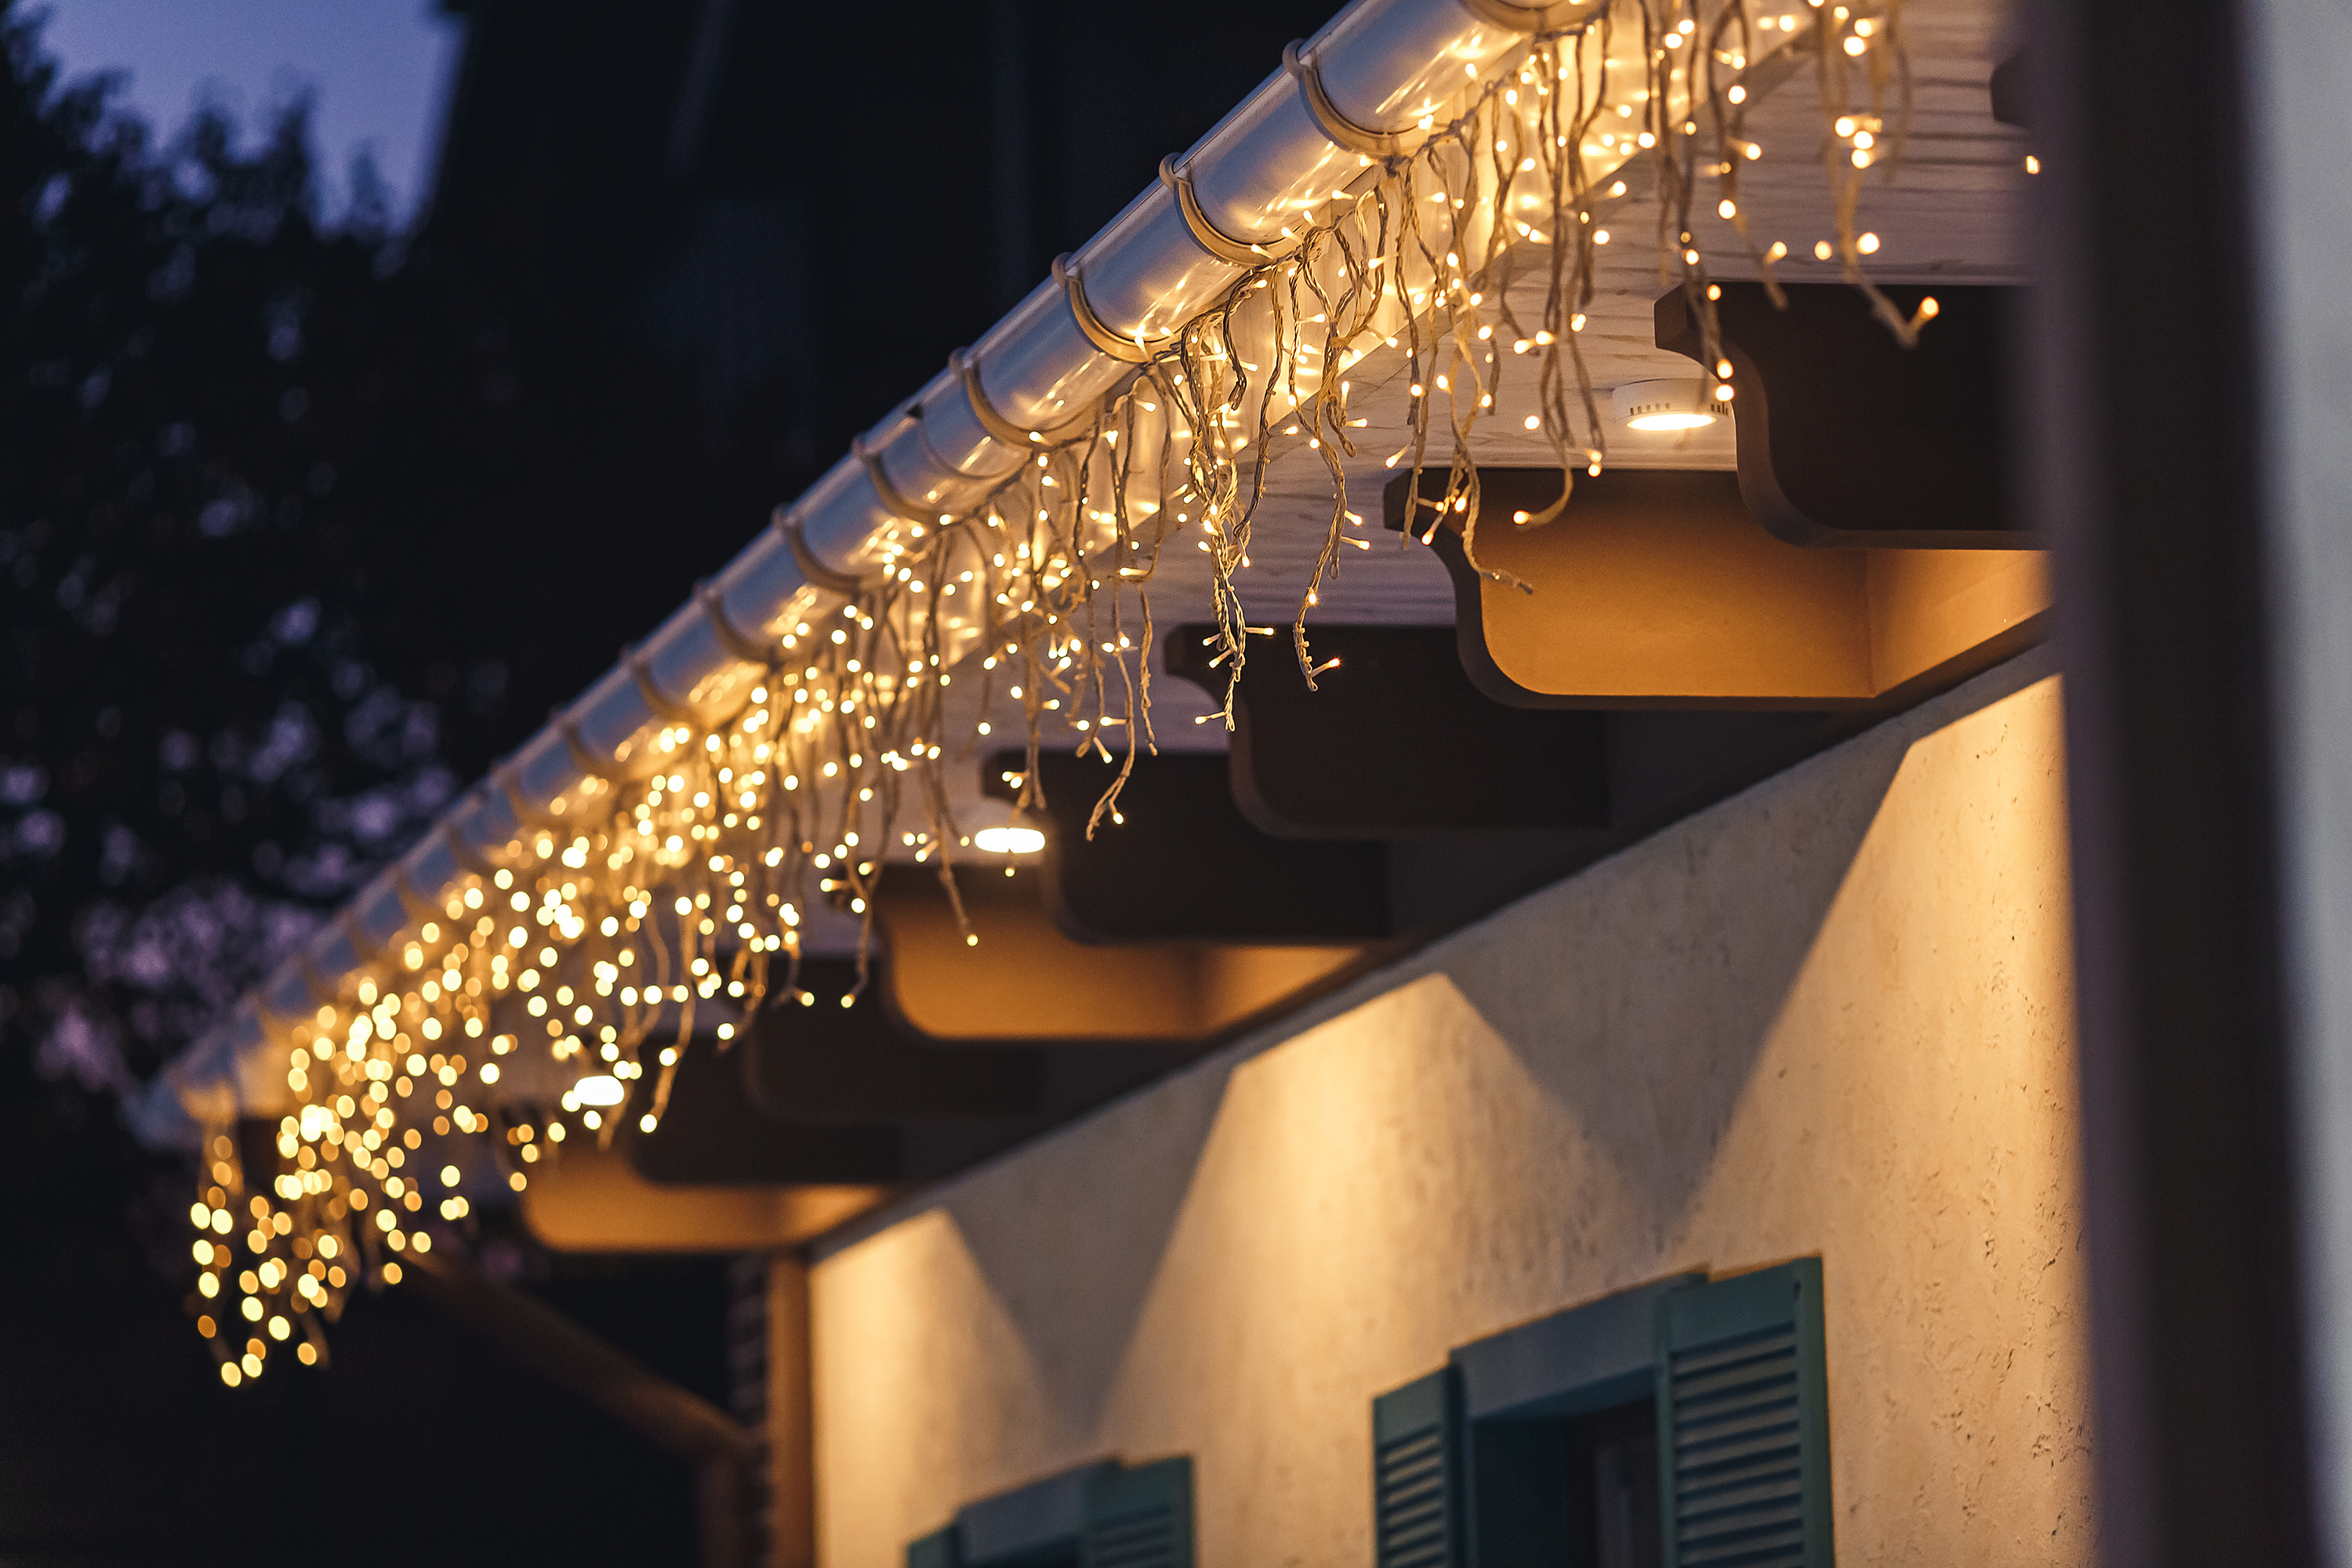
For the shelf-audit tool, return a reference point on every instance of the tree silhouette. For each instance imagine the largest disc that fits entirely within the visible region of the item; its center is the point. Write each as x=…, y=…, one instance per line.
x=198, y=752
x=241, y=448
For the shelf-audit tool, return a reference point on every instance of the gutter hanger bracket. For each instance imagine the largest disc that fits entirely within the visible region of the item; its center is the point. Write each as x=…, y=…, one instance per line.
x=1341, y=131
x=813, y=566
x=463, y=851
x=1207, y=235
x=657, y=701
x=767, y=652
x=1133, y=350
x=966, y=369
x=583, y=756
x=1558, y=16
x=525, y=812
x=879, y=478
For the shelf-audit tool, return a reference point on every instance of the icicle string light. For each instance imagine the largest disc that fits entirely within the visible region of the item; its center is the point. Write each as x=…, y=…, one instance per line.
x=555, y=989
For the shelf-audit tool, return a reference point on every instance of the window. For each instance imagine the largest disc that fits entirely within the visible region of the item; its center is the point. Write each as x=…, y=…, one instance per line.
x=1097, y=1516
x=1683, y=1423
x=1612, y=1487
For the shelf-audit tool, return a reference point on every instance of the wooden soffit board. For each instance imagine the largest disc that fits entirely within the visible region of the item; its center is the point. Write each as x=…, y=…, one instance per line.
x=1660, y=589
x=1394, y=741
x=801, y=1104
x=1844, y=435
x=596, y=1201
x=1026, y=980
x=823, y=1062
x=1193, y=867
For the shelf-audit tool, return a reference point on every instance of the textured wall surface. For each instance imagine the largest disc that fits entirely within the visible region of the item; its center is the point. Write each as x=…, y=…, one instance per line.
x=1830, y=1015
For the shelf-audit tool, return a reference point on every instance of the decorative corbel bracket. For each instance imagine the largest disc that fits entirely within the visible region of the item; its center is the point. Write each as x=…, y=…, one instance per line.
x=1845, y=436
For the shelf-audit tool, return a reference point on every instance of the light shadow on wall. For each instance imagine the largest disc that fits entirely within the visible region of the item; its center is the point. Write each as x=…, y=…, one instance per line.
x=1621, y=1011
x=1639, y=995
x=1532, y=1106
x=1071, y=1258
x=1832, y=1015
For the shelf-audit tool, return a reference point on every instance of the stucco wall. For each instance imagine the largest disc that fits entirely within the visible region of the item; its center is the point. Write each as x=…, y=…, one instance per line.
x=1832, y=1015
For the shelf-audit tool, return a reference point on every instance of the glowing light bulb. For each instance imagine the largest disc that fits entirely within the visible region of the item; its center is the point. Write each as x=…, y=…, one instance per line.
x=600, y=1089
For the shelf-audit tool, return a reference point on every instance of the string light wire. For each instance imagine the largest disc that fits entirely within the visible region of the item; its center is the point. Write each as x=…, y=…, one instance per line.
x=591, y=953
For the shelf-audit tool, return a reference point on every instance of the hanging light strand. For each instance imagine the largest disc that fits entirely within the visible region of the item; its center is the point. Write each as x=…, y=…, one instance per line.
x=555, y=994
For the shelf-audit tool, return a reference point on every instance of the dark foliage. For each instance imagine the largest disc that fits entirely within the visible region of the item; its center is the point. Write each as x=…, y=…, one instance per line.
x=262, y=496
x=196, y=753
x=296, y=532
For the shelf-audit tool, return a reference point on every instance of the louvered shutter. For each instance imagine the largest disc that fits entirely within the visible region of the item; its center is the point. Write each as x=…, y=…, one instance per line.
x=1139, y=1517
x=1417, y=1474
x=935, y=1550
x=1743, y=1422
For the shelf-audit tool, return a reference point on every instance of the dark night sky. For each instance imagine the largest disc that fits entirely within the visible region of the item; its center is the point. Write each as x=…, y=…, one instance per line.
x=380, y=70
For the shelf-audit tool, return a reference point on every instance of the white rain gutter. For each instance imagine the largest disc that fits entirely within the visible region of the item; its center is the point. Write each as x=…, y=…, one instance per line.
x=1355, y=89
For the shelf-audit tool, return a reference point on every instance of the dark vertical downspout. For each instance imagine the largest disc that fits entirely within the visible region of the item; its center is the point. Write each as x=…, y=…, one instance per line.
x=792, y=1430
x=2142, y=413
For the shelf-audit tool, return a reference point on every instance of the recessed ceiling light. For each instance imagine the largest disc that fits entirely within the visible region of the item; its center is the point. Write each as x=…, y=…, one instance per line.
x=1011, y=839
x=1668, y=404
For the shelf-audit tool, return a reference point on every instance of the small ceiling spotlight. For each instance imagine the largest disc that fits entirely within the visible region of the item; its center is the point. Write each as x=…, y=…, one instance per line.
x=1669, y=404
x=1014, y=837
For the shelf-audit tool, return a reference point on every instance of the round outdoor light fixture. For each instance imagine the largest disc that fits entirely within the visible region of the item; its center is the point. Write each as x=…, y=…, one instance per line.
x=1012, y=839
x=1669, y=404
x=600, y=1089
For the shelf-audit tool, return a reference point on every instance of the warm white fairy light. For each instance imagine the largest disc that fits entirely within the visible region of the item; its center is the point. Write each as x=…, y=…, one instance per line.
x=608, y=941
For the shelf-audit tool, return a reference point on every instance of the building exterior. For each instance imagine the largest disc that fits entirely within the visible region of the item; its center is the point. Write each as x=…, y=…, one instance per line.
x=1829, y=1018
x=1674, y=1076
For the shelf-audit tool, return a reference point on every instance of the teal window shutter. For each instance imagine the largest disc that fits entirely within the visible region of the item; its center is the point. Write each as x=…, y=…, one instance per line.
x=1417, y=1487
x=1139, y=1517
x=935, y=1550
x=1743, y=1422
